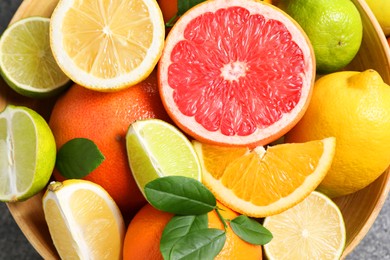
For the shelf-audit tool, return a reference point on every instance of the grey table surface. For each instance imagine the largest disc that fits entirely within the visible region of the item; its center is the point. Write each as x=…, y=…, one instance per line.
x=14, y=245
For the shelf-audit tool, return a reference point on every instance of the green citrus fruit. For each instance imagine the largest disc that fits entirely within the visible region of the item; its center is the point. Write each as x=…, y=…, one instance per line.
x=27, y=153
x=157, y=149
x=26, y=61
x=334, y=28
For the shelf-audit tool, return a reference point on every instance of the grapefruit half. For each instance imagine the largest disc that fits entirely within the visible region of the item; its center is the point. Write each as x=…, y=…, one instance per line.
x=236, y=72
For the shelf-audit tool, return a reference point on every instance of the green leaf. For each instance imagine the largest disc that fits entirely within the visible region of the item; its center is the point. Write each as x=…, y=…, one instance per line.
x=78, y=157
x=177, y=228
x=180, y=195
x=201, y=244
x=184, y=5
x=250, y=230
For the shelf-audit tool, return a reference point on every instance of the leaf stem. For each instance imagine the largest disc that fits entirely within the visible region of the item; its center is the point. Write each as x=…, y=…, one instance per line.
x=221, y=217
x=172, y=21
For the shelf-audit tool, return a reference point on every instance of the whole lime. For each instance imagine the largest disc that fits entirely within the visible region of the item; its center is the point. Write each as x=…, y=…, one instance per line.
x=334, y=28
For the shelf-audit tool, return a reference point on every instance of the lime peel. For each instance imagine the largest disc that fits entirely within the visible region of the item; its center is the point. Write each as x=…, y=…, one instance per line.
x=30, y=69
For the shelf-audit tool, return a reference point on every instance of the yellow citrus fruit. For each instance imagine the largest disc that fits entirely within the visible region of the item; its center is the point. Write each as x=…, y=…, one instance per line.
x=83, y=220
x=334, y=28
x=142, y=240
x=107, y=45
x=313, y=229
x=355, y=108
x=381, y=10
x=261, y=182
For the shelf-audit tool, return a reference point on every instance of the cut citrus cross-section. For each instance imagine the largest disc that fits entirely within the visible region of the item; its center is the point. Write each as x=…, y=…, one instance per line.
x=313, y=229
x=237, y=72
x=261, y=182
x=26, y=61
x=107, y=45
x=27, y=153
x=83, y=220
x=156, y=149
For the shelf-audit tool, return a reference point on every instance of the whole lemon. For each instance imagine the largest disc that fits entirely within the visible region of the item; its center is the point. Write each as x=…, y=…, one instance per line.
x=354, y=107
x=381, y=10
x=334, y=28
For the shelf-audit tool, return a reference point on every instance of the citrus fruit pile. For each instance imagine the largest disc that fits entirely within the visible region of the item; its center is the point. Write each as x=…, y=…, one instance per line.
x=248, y=101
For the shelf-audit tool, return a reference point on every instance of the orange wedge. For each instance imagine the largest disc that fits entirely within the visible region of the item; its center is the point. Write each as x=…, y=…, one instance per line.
x=107, y=45
x=259, y=182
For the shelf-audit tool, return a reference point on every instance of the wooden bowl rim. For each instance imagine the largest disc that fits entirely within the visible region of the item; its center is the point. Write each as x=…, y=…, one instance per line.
x=44, y=251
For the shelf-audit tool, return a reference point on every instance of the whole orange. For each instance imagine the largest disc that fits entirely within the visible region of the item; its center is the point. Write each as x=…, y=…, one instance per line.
x=142, y=240
x=168, y=8
x=104, y=118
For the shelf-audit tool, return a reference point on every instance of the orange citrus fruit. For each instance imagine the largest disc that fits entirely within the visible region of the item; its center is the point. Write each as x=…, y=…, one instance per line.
x=237, y=72
x=259, y=182
x=107, y=45
x=168, y=8
x=104, y=118
x=142, y=240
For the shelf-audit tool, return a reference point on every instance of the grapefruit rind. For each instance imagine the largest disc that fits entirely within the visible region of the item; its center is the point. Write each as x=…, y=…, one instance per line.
x=261, y=136
x=229, y=198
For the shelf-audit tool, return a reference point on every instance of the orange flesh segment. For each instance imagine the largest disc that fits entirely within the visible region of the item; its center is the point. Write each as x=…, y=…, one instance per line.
x=259, y=179
x=104, y=34
x=246, y=69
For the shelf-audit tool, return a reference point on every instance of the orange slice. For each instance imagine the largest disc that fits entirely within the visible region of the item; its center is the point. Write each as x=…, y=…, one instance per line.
x=83, y=220
x=107, y=45
x=261, y=182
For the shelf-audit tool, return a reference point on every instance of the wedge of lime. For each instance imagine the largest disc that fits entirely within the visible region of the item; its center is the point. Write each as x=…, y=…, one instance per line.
x=156, y=149
x=27, y=153
x=313, y=229
x=26, y=61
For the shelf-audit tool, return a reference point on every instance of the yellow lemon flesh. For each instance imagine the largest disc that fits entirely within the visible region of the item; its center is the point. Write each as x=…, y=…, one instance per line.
x=83, y=220
x=107, y=45
x=313, y=229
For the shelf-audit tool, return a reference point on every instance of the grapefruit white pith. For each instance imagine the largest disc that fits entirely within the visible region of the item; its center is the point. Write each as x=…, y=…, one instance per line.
x=236, y=72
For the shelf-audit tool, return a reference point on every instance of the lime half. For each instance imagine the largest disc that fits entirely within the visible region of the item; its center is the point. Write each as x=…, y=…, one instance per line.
x=313, y=229
x=156, y=149
x=26, y=61
x=27, y=153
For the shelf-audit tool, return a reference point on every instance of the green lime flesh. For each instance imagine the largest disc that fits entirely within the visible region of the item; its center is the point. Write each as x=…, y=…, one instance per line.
x=27, y=153
x=157, y=149
x=26, y=61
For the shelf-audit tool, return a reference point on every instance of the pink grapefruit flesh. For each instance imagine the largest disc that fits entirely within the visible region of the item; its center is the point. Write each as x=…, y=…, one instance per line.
x=236, y=72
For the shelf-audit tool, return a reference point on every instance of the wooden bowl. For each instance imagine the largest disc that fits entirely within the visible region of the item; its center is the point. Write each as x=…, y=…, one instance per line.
x=359, y=209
